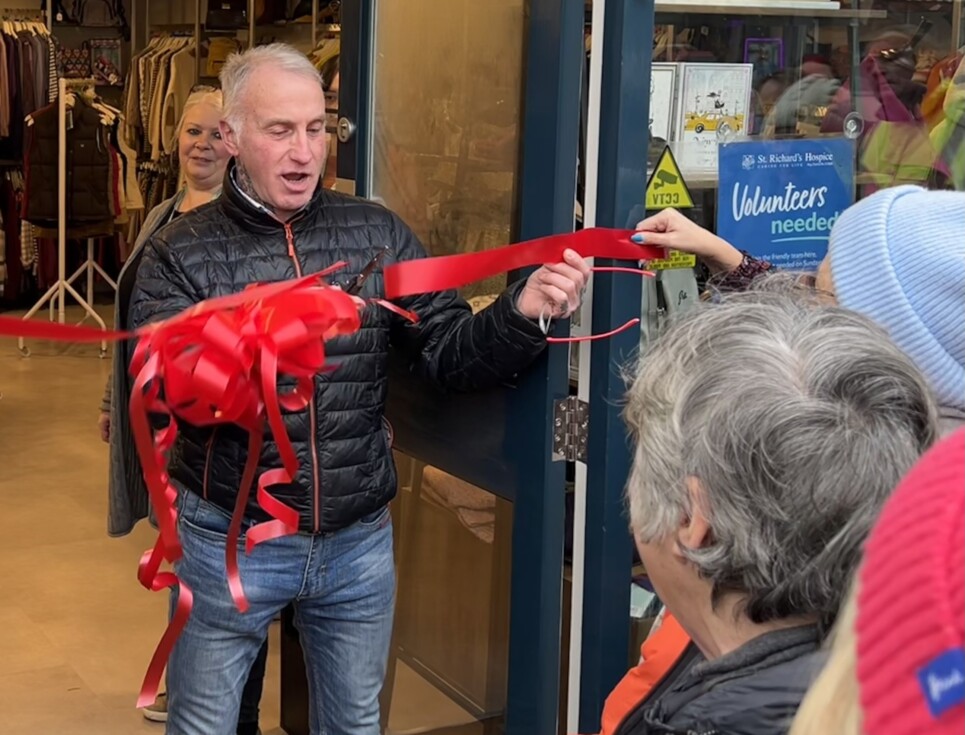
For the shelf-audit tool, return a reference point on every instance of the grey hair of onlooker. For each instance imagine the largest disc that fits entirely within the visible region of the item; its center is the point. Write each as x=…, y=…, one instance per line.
x=797, y=420
x=236, y=74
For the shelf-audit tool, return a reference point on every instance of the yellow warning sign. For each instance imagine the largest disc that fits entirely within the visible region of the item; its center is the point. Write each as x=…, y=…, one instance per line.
x=667, y=189
x=677, y=259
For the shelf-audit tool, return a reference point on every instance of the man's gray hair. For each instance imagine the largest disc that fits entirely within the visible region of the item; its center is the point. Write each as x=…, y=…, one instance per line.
x=798, y=420
x=237, y=71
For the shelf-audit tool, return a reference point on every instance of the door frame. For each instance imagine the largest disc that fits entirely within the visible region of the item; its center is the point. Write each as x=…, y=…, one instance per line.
x=525, y=474
x=619, y=105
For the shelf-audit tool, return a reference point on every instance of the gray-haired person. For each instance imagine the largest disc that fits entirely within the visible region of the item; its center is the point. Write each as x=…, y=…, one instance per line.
x=768, y=433
x=275, y=221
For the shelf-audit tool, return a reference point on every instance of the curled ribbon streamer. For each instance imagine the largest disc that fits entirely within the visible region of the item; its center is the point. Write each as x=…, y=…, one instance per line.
x=613, y=332
x=444, y=272
x=255, y=441
x=218, y=362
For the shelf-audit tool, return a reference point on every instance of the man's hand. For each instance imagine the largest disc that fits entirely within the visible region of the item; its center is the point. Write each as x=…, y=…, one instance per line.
x=670, y=229
x=555, y=290
x=104, y=424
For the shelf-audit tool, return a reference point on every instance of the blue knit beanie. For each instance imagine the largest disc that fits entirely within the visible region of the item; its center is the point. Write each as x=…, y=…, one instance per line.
x=898, y=257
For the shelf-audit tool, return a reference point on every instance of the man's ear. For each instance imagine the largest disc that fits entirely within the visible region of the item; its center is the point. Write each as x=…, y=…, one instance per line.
x=695, y=532
x=229, y=136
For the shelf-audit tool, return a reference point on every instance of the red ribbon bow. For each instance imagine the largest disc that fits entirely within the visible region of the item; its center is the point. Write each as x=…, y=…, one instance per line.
x=219, y=363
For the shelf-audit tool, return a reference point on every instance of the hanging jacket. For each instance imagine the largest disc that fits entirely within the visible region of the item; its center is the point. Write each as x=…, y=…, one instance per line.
x=341, y=440
x=89, y=183
x=754, y=690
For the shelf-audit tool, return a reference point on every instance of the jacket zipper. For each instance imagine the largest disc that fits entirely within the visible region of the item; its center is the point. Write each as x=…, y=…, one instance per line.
x=207, y=463
x=290, y=238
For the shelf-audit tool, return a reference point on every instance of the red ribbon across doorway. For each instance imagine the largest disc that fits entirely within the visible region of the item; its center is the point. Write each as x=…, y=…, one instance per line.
x=454, y=271
x=219, y=362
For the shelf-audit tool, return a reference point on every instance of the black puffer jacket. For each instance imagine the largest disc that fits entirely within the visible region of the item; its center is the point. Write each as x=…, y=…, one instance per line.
x=345, y=464
x=755, y=690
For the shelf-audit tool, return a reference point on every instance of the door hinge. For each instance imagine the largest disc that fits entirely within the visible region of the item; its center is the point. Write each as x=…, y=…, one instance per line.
x=571, y=427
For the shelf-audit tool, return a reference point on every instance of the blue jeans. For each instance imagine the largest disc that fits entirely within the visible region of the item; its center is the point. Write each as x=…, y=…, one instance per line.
x=343, y=589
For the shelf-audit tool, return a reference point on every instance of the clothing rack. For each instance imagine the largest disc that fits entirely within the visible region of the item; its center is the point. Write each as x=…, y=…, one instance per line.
x=58, y=291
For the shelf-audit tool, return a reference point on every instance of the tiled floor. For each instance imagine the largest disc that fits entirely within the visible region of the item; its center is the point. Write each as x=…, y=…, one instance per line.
x=76, y=628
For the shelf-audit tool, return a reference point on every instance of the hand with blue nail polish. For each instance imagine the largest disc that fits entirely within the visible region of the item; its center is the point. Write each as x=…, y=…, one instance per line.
x=672, y=230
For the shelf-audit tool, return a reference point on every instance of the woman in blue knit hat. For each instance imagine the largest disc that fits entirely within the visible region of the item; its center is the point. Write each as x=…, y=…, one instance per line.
x=898, y=257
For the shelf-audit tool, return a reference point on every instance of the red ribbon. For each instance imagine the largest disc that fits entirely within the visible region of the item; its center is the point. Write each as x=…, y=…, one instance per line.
x=413, y=277
x=218, y=362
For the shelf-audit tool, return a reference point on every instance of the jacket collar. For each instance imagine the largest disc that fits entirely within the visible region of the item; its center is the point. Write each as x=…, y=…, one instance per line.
x=694, y=703
x=249, y=212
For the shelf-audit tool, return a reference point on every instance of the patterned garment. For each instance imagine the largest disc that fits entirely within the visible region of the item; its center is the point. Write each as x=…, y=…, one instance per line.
x=738, y=279
x=54, y=77
x=28, y=247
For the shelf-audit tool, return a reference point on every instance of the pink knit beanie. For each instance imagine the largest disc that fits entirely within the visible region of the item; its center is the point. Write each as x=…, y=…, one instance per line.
x=911, y=604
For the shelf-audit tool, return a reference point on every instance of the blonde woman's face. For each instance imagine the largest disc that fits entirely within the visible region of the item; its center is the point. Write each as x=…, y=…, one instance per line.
x=201, y=153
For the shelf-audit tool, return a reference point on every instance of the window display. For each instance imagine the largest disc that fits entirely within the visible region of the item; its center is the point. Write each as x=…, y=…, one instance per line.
x=885, y=74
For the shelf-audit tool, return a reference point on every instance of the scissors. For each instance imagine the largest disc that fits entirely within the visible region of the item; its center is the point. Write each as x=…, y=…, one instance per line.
x=355, y=285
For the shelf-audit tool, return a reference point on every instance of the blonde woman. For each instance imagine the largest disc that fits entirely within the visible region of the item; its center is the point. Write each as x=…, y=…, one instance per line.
x=897, y=664
x=202, y=160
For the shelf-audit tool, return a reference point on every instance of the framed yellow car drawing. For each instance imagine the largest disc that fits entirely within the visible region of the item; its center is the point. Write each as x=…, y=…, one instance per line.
x=713, y=105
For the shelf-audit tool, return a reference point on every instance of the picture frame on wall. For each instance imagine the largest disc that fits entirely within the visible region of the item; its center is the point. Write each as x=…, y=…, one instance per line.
x=766, y=55
x=663, y=97
x=105, y=61
x=713, y=105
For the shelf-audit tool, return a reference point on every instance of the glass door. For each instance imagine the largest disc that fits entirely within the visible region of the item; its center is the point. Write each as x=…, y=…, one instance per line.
x=458, y=116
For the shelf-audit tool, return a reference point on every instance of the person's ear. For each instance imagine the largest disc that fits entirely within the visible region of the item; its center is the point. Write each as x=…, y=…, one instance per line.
x=230, y=137
x=695, y=532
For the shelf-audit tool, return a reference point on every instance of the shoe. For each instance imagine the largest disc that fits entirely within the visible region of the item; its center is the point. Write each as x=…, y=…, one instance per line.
x=157, y=712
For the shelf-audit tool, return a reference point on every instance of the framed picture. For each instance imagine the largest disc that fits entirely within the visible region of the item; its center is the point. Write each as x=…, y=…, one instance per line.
x=663, y=89
x=105, y=61
x=713, y=105
x=766, y=55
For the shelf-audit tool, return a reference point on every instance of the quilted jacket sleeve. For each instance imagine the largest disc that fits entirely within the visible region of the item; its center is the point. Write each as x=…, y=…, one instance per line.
x=455, y=349
x=162, y=287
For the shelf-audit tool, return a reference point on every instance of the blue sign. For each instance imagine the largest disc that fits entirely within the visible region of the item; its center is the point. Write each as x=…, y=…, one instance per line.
x=779, y=199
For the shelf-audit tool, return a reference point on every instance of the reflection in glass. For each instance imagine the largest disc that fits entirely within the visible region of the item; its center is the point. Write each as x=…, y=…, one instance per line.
x=447, y=108
x=812, y=70
x=448, y=663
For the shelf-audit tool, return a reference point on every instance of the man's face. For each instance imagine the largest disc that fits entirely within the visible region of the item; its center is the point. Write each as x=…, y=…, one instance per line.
x=282, y=141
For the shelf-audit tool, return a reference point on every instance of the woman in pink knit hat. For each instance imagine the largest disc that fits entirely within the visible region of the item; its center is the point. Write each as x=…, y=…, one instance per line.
x=898, y=662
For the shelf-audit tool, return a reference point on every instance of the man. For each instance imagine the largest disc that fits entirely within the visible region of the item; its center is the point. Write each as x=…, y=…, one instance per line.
x=274, y=221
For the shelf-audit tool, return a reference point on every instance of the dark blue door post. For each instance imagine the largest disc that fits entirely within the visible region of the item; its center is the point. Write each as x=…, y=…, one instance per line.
x=551, y=126
x=622, y=179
